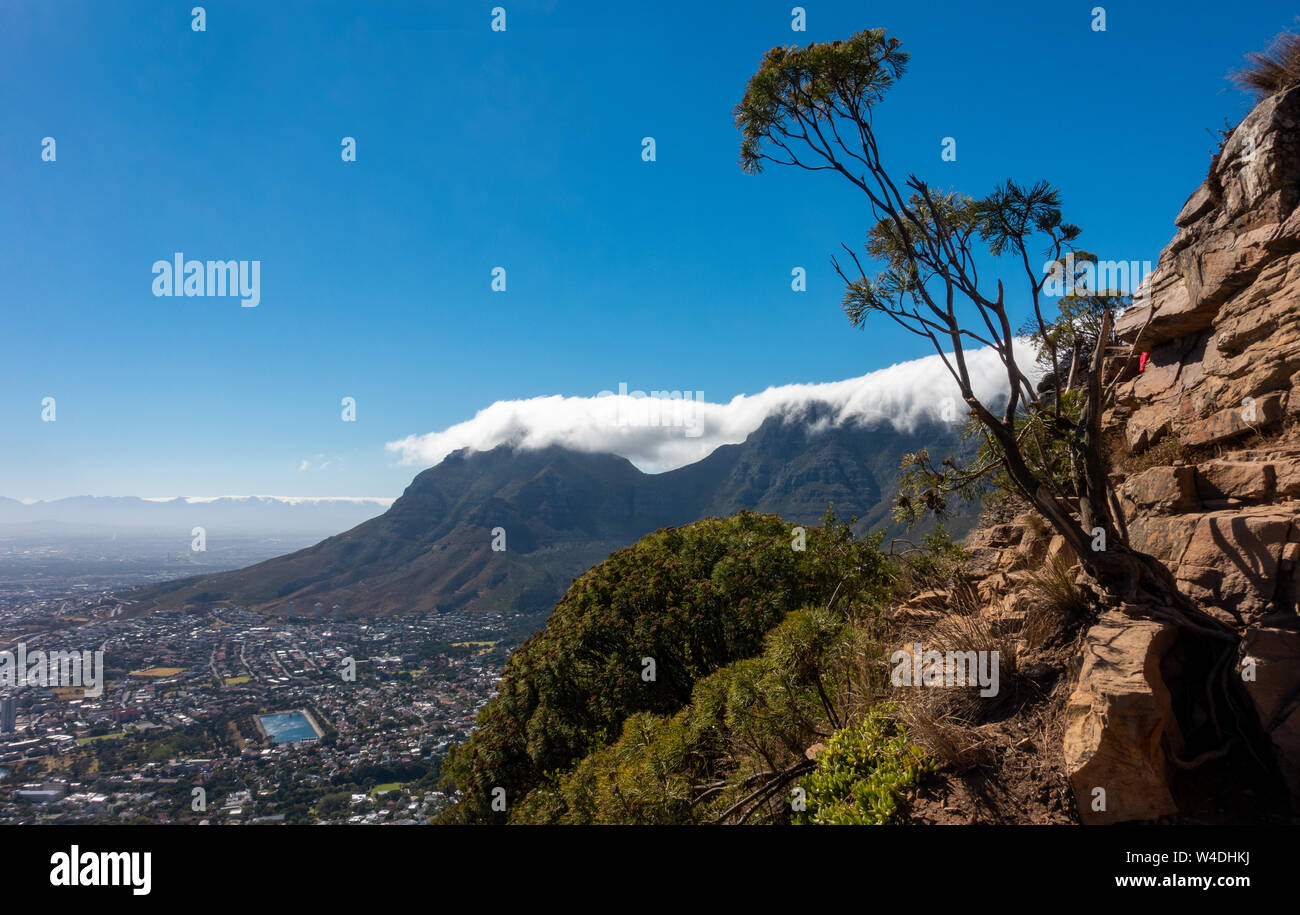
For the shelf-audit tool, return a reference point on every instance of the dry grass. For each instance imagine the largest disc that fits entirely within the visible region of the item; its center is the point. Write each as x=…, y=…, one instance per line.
x=1164, y=452
x=1273, y=70
x=1059, y=600
x=945, y=721
x=947, y=738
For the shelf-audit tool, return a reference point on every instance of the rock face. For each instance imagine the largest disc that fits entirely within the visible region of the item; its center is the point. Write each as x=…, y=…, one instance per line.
x=1221, y=325
x=1272, y=658
x=1222, y=322
x=1222, y=329
x=1119, y=721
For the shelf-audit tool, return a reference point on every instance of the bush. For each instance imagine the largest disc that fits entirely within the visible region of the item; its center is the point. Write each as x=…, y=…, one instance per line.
x=695, y=599
x=864, y=773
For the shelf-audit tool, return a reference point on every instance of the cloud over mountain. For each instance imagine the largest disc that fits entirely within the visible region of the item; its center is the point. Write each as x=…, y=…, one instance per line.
x=666, y=432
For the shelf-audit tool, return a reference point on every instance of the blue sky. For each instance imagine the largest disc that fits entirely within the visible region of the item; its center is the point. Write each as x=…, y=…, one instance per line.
x=520, y=149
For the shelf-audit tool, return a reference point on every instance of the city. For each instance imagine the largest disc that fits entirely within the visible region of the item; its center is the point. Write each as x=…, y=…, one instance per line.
x=175, y=736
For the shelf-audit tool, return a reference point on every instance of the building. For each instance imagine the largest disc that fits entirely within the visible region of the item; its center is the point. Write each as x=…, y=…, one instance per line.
x=8, y=714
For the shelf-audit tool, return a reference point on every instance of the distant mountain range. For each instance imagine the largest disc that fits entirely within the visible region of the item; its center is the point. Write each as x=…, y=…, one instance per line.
x=562, y=511
x=264, y=516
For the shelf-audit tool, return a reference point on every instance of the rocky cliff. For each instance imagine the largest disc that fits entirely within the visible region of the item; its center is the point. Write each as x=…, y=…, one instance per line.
x=1209, y=418
x=1204, y=452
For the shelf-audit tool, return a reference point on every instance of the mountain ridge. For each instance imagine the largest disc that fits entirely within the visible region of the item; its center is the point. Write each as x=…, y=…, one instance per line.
x=561, y=512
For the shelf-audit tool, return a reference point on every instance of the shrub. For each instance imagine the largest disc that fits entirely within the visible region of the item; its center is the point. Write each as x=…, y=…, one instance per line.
x=864, y=773
x=1059, y=600
x=695, y=599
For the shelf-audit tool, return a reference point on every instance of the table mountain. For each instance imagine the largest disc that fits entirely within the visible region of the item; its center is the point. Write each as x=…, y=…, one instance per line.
x=561, y=511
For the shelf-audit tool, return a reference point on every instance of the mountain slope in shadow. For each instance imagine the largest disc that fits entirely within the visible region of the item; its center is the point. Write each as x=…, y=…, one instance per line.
x=562, y=511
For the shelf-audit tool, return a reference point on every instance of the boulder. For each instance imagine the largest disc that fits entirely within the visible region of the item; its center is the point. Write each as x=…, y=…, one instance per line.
x=1146, y=427
x=1118, y=721
x=1287, y=477
x=1163, y=489
x=1231, y=561
x=1059, y=551
x=1252, y=414
x=1248, y=481
x=1165, y=538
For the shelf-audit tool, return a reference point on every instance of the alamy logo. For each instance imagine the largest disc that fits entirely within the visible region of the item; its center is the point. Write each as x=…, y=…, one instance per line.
x=204, y=278
x=55, y=668
x=919, y=667
x=672, y=409
x=1095, y=277
x=103, y=868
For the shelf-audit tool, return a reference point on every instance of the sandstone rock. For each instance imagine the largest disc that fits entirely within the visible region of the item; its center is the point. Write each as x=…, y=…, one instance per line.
x=1219, y=318
x=1033, y=541
x=1145, y=427
x=1231, y=561
x=1275, y=693
x=1118, y=720
x=1234, y=480
x=1163, y=489
x=1234, y=421
x=991, y=587
x=1060, y=551
x=1287, y=478
x=929, y=600
x=1229, y=228
x=1196, y=205
x=1164, y=538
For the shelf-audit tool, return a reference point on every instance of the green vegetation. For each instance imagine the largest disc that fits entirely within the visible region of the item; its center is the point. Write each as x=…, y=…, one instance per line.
x=863, y=772
x=761, y=650
x=97, y=737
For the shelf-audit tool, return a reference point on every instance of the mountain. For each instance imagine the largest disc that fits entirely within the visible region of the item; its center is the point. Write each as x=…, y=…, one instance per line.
x=562, y=511
x=1109, y=702
x=235, y=516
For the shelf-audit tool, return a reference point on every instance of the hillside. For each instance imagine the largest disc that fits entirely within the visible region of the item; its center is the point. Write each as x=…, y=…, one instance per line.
x=562, y=511
x=684, y=614
x=1104, y=708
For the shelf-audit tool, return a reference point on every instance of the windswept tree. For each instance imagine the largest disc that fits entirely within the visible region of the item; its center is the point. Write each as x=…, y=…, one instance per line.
x=944, y=260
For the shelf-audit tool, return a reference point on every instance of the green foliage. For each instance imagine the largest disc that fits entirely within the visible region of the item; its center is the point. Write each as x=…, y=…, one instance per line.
x=814, y=108
x=939, y=561
x=907, y=241
x=798, y=86
x=695, y=599
x=1047, y=435
x=745, y=722
x=863, y=773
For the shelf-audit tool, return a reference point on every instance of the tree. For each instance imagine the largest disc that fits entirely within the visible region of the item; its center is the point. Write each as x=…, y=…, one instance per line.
x=814, y=108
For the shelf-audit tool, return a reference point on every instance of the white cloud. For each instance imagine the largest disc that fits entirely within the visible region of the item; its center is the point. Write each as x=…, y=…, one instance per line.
x=662, y=435
x=319, y=462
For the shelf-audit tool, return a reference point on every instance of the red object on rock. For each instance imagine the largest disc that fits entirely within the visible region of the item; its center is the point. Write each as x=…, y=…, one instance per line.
x=1142, y=362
